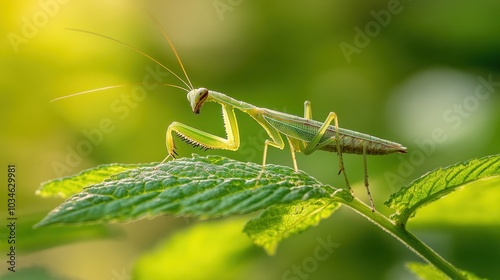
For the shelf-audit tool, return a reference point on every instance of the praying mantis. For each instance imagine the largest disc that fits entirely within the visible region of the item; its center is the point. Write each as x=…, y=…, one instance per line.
x=303, y=134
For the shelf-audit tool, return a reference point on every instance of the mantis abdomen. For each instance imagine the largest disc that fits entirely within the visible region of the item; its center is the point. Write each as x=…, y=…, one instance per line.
x=351, y=142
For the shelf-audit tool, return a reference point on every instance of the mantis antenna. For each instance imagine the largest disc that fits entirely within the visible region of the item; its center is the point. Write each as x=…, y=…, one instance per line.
x=111, y=87
x=188, y=84
x=174, y=50
x=137, y=50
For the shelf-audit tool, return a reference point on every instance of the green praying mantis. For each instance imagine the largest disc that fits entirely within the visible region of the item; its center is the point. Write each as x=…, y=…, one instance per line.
x=303, y=134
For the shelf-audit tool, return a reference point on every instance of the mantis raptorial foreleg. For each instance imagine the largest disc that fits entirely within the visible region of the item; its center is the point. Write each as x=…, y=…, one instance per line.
x=206, y=140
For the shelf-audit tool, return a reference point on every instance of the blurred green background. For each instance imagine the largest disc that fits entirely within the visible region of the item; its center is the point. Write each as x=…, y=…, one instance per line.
x=413, y=72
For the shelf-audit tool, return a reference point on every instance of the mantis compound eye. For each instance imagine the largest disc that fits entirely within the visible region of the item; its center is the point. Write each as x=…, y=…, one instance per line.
x=196, y=98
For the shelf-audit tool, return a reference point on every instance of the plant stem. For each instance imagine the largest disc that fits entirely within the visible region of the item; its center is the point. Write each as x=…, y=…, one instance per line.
x=405, y=237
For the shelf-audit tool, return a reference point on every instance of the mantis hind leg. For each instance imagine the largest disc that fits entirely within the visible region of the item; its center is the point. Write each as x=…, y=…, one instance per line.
x=307, y=110
x=365, y=168
x=315, y=143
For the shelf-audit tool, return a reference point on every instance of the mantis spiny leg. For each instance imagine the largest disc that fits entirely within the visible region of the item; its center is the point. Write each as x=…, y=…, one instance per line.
x=199, y=138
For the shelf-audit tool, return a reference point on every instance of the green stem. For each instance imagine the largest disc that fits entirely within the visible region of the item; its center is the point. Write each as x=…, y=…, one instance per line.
x=405, y=237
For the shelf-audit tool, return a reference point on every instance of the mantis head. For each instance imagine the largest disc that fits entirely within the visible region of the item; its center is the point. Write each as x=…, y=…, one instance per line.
x=196, y=98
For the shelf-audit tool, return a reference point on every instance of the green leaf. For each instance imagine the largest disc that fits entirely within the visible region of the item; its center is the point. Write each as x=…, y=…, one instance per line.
x=209, y=250
x=465, y=208
x=67, y=186
x=426, y=271
x=279, y=222
x=429, y=272
x=202, y=187
x=439, y=183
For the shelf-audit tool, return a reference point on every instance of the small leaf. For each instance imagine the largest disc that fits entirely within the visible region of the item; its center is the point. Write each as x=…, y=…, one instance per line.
x=429, y=272
x=67, y=186
x=210, y=250
x=203, y=187
x=438, y=183
x=279, y=222
x=426, y=271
